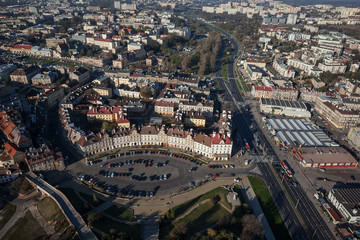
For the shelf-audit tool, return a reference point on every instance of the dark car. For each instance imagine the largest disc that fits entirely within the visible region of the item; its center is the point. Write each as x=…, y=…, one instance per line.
x=353, y=177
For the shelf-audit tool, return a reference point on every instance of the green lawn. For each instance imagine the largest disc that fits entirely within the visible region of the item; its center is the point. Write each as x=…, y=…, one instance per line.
x=106, y=224
x=121, y=213
x=202, y=217
x=21, y=185
x=90, y=199
x=49, y=209
x=224, y=71
x=220, y=191
x=25, y=228
x=271, y=212
x=50, y=62
x=78, y=204
x=6, y=213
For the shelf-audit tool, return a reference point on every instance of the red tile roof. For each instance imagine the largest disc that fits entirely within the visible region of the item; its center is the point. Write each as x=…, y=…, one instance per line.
x=104, y=40
x=219, y=137
x=261, y=88
x=21, y=46
x=164, y=104
x=10, y=149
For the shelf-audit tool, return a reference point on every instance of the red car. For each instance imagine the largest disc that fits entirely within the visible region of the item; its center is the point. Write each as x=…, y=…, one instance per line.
x=216, y=175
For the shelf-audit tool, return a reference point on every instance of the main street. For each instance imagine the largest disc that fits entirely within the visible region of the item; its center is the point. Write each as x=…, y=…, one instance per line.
x=317, y=229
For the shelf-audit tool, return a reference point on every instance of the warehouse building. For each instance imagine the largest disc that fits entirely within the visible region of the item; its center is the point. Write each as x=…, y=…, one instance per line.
x=284, y=107
x=324, y=157
x=346, y=198
x=298, y=132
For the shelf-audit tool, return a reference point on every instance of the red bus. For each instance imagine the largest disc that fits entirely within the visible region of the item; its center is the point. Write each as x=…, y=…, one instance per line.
x=286, y=169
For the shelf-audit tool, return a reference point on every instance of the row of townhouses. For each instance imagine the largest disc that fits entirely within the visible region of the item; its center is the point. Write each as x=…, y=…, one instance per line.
x=216, y=146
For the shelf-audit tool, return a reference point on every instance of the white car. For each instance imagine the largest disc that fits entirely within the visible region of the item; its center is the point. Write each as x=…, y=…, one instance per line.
x=237, y=179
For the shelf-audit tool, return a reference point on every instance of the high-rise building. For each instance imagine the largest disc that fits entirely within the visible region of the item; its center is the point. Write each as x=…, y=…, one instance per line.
x=117, y=4
x=291, y=19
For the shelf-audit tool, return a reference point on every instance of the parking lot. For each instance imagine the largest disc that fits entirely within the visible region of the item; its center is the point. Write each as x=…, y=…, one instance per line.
x=140, y=174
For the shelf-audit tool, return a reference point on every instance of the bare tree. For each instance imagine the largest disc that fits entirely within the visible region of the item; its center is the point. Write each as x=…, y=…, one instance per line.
x=252, y=229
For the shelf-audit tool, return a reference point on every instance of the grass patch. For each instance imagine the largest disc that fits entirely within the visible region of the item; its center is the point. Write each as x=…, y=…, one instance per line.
x=25, y=228
x=78, y=204
x=21, y=185
x=49, y=209
x=271, y=212
x=121, y=213
x=224, y=71
x=69, y=234
x=217, y=85
x=202, y=217
x=95, y=201
x=50, y=62
x=6, y=213
x=220, y=191
x=106, y=224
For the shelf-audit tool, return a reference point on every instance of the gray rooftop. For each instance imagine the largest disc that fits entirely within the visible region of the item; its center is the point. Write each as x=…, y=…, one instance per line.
x=295, y=132
x=283, y=103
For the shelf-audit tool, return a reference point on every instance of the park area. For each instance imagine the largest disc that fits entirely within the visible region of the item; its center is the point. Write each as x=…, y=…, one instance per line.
x=271, y=212
x=25, y=228
x=210, y=216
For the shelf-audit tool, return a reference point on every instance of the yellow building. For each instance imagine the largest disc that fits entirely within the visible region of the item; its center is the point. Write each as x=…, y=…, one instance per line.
x=109, y=114
x=195, y=119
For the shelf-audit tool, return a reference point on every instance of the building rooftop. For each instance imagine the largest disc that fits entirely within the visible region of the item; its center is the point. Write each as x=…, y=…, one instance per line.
x=326, y=155
x=283, y=103
x=296, y=132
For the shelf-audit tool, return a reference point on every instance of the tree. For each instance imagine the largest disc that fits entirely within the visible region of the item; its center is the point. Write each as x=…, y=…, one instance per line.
x=252, y=229
x=94, y=217
x=108, y=125
x=170, y=214
x=211, y=232
x=178, y=232
x=146, y=92
x=186, y=63
x=95, y=199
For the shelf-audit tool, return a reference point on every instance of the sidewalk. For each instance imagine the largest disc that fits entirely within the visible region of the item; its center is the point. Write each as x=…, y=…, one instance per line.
x=49, y=229
x=20, y=212
x=251, y=199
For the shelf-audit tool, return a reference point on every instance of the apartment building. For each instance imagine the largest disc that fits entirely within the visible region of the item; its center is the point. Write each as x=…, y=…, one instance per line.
x=206, y=108
x=164, y=108
x=195, y=119
x=354, y=137
x=24, y=75
x=81, y=75
x=104, y=43
x=346, y=198
x=13, y=133
x=54, y=96
x=317, y=82
x=43, y=78
x=333, y=67
x=340, y=117
x=307, y=68
x=43, y=159
x=109, y=114
x=283, y=69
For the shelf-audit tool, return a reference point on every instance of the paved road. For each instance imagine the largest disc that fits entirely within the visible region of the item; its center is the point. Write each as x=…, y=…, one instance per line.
x=82, y=229
x=313, y=220
x=252, y=200
x=241, y=122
